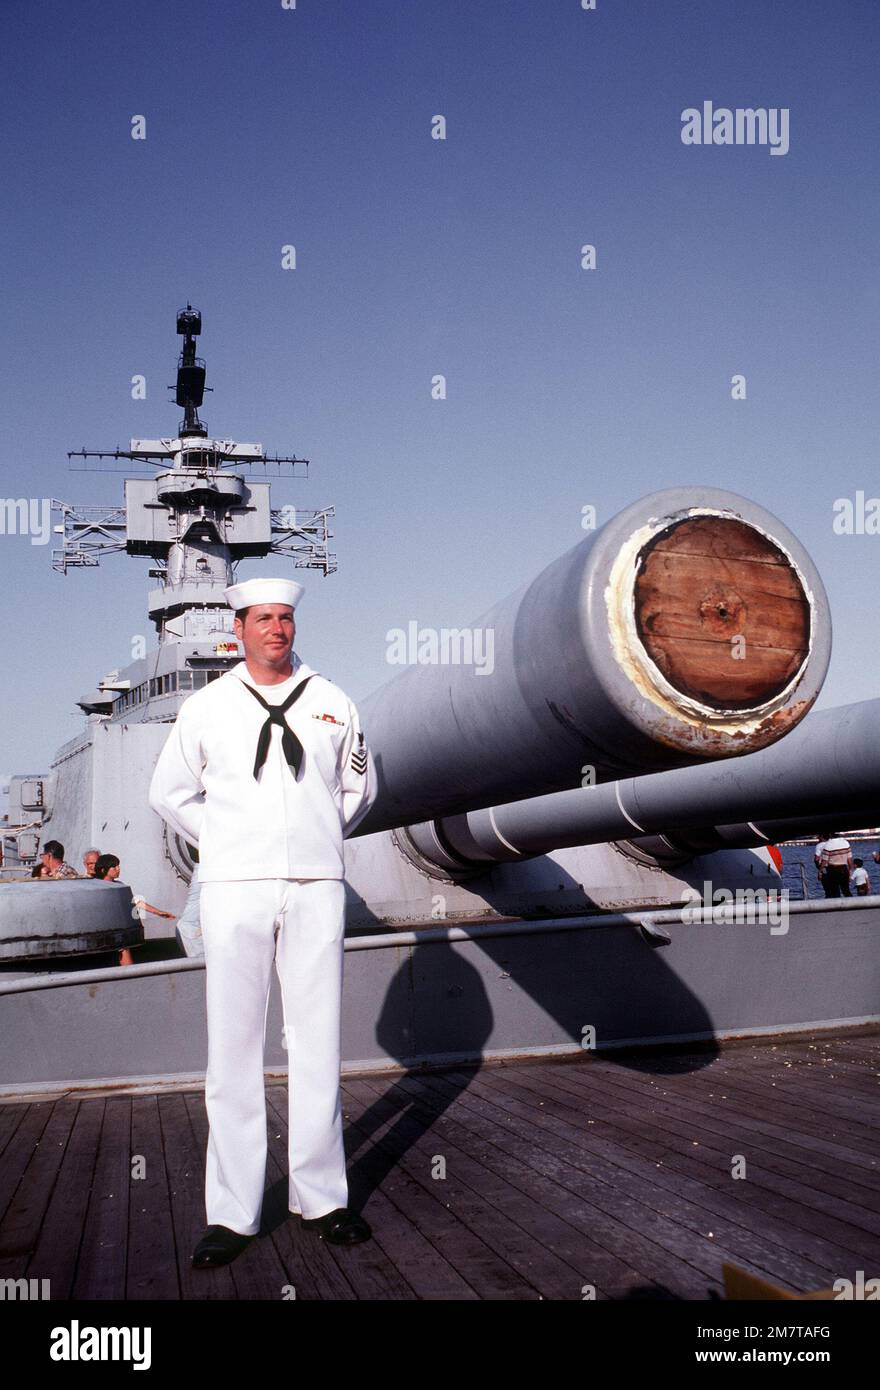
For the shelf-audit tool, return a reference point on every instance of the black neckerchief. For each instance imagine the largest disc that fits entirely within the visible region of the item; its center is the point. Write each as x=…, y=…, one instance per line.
x=293, y=749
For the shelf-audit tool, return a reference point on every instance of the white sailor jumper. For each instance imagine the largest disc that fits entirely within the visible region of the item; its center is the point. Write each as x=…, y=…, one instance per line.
x=270, y=867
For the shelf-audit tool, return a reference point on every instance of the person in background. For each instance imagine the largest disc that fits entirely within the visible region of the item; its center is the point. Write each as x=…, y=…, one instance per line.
x=817, y=855
x=90, y=859
x=40, y=871
x=53, y=861
x=108, y=869
x=189, y=927
x=860, y=881
x=835, y=866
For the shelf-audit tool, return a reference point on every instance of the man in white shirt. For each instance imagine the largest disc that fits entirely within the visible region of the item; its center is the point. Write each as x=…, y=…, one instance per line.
x=265, y=770
x=835, y=866
x=817, y=856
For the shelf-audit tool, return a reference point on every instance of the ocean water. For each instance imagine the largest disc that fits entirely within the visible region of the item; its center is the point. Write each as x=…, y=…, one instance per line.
x=795, y=856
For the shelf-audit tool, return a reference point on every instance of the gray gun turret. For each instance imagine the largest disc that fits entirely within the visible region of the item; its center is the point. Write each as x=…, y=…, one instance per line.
x=693, y=627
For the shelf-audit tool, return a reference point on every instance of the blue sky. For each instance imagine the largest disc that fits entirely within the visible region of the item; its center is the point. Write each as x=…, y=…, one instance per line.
x=414, y=257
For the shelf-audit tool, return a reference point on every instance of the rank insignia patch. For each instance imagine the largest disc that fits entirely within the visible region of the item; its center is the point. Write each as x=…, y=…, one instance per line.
x=359, y=757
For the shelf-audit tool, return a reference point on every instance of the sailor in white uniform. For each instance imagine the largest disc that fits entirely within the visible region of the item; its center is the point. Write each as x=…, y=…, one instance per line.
x=265, y=770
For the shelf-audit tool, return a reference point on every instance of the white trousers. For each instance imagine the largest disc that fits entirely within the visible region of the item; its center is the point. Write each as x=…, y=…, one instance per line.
x=298, y=924
x=189, y=926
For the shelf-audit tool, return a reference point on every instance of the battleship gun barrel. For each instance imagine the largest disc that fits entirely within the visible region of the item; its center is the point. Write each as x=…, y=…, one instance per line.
x=683, y=843
x=692, y=626
x=829, y=766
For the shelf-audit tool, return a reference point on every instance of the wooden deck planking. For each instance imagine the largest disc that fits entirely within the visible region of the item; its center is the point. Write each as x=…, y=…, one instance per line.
x=716, y=1207
x=857, y=1189
x=858, y=1059
x=605, y=1220
x=103, y=1253
x=522, y=1265
x=18, y=1154
x=692, y=1114
x=710, y=1161
x=858, y=1047
x=860, y=1079
x=428, y=1272
x=832, y=1243
x=11, y=1117
x=23, y=1216
x=152, y=1265
x=620, y=1210
x=722, y=1105
x=715, y=1122
x=786, y=1159
x=56, y=1250
x=759, y=1105
x=560, y=1173
x=782, y=1093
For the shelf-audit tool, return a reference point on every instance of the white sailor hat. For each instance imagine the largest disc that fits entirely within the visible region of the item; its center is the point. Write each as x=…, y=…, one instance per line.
x=253, y=591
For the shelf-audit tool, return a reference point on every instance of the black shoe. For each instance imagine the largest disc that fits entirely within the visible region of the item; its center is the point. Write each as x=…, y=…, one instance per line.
x=218, y=1246
x=340, y=1227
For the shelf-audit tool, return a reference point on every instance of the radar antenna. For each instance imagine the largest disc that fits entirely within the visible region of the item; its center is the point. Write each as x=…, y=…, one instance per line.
x=190, y=374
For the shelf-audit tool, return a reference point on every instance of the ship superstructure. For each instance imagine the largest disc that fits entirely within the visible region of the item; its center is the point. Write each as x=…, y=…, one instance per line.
x=206, y=507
